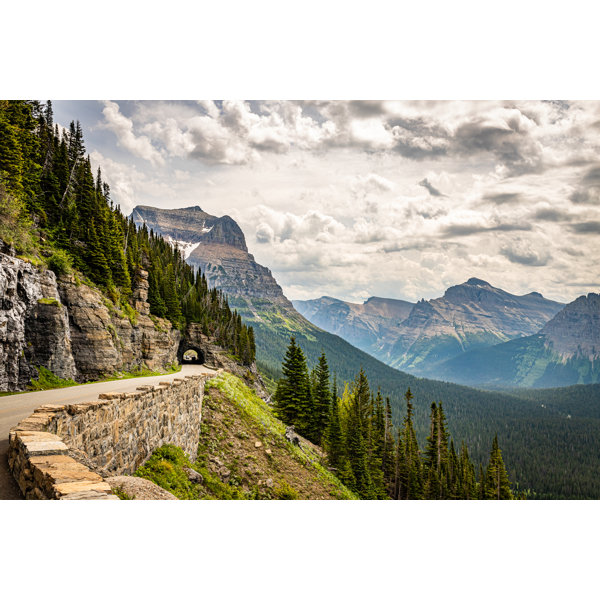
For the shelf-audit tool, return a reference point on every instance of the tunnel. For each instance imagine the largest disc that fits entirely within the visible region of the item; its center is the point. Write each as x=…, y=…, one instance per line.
x=190, y=355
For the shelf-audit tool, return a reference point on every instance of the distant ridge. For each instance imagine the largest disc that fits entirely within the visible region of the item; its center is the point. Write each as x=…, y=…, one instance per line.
x=420, y=337
x=565, y=352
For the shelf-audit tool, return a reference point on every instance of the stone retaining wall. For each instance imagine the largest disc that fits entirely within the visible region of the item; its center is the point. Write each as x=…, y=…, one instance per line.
x=118, y=432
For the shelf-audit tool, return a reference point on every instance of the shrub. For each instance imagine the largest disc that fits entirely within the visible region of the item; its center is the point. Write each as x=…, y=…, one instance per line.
x=284, y=491
x=60, y=262
x=165, y=468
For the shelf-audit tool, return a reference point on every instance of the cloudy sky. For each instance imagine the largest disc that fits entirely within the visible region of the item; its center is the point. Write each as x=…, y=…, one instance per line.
x=355, y=199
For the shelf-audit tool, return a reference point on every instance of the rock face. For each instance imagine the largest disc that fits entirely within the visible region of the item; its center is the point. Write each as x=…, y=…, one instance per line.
x=72, y=329
x=104, y=340
x=191, y=226
x=217, y=246
x=575, y=330
x=31, y=316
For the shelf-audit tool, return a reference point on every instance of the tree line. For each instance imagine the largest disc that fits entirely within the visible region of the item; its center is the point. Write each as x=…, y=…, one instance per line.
x=53, y=206
x=368, y=453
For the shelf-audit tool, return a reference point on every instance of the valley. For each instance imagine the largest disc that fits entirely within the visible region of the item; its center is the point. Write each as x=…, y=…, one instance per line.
x=525, y=428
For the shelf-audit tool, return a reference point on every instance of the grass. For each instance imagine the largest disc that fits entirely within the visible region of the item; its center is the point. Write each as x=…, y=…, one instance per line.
x=139, y=372
x=121, y=494
x=49, y=301
x=47, y=380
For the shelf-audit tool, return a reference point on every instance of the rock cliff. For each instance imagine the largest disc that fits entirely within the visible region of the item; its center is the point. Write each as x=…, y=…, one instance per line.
x=71, y=329
x=575, y=330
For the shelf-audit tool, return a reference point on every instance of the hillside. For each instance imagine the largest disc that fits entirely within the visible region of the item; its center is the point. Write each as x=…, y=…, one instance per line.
x=564, y=352
x=243, y=454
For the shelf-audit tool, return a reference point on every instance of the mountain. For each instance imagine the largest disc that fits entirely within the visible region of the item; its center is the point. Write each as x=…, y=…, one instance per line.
x=368, y=326
x=566, y=351
x=418, y=338
x=527, y=432
x=217, y=246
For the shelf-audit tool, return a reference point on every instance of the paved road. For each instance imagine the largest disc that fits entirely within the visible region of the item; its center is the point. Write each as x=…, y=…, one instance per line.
x=19, y=406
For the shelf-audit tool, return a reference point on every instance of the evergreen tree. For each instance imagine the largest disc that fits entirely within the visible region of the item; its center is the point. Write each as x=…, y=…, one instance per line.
x=466, y=477
x=336, y=455
x=410, y=485
x=436, y=456
x=321, y=398
x=388, y=458
x=356, y=445
x=293, y=401
x=497, y=486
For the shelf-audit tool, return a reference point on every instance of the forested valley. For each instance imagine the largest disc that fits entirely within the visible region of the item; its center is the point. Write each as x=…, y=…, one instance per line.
x=369, y=455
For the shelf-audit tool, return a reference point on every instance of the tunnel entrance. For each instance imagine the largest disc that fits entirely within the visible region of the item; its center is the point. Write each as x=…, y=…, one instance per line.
x=190, y=355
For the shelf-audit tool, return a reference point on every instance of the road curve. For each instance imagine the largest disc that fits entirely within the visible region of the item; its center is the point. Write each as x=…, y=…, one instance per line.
x=17, y=407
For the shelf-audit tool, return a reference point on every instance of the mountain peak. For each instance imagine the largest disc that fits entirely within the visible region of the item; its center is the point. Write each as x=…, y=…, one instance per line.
x=191, y=225
x=475, y=281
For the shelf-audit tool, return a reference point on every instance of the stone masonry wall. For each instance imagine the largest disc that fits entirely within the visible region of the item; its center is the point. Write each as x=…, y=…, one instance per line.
x=118, y=432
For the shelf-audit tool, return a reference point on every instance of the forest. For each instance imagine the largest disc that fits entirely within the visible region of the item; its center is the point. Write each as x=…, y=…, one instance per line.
x=548, y=454
x=58, y=214
x=369, y=455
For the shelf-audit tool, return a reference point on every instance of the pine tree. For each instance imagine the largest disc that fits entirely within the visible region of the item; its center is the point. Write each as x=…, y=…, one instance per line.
x=321, y=398
x=436, y=456
x=170, y=296
x=410, y=484
x=336, y=455
x=293, y=401
x=466, y=477
x=388, y=459
x=377, y=445
x=497, y=486
x=356, y=448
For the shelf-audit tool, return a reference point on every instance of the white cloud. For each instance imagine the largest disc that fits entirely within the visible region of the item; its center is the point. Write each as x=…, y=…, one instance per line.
x=329, y=194
x=122, y=127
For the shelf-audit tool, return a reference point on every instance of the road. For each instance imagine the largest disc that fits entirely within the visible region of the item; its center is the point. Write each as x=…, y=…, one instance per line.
x=15, y=408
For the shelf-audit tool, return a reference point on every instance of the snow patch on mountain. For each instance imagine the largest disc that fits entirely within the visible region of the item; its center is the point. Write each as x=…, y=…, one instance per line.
x=186, y=248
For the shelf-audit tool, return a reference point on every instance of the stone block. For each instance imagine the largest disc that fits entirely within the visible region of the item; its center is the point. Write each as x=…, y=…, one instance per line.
x=89, y=495
x=62, y=489
x=50, y=408
x=47, y=447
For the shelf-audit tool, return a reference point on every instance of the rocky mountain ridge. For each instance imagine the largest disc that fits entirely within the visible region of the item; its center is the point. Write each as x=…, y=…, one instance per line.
x=470, y=315
x=368, y=326
x=566, y=351
x=219, y=250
